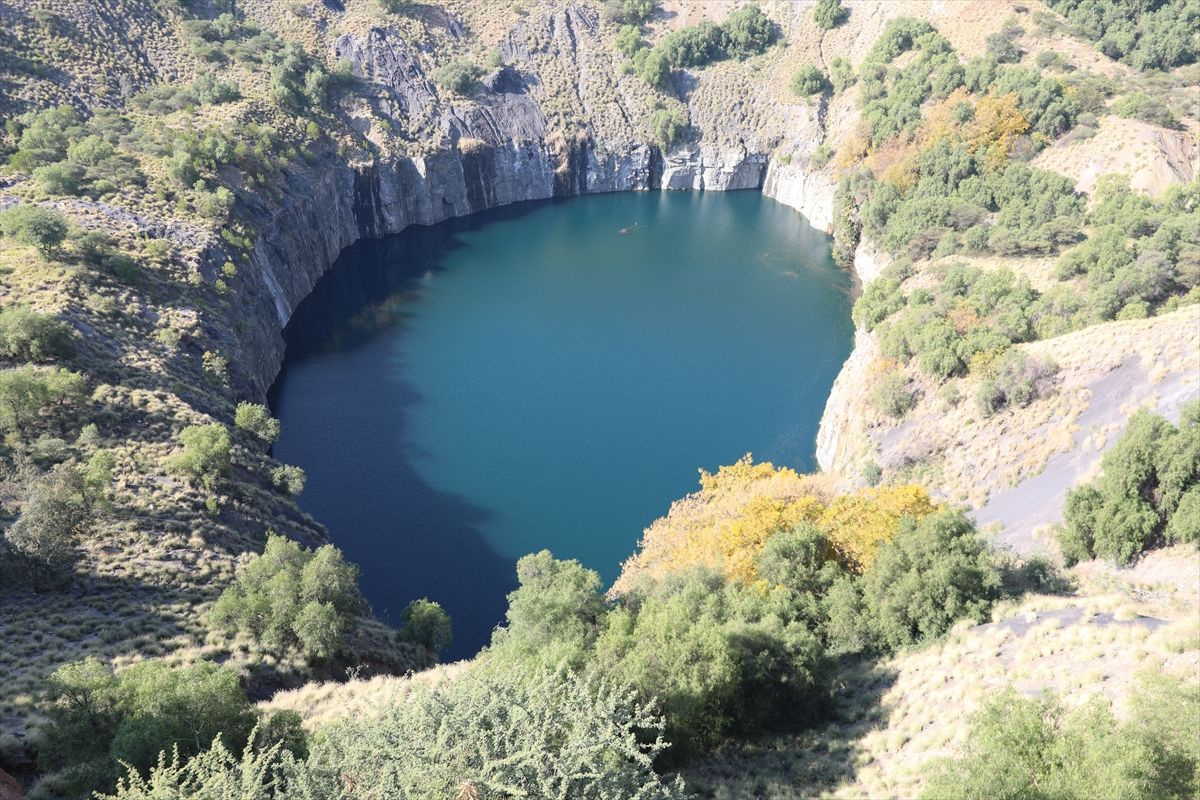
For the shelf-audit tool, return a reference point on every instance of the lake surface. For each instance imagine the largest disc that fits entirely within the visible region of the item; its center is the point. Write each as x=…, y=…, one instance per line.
x=463, y=394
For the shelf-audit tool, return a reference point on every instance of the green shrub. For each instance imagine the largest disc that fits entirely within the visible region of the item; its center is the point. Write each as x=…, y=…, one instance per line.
x=1019, y=380
x=205, y=455
x=99, y=720
x=56, y=514
x=30, y=336
x=628, y=12
x=257, y=420
x=485, y=734
x=459, y=76
x=1033, y=747
x=31, y=397
x=668, y=126
x=718, y=657
x=932, y=574
x=1149, y=479
x=893, y=395
x=629, y=40
x=554, y=614
x=879, y=300
x=427, y=624
x=841, y=74
x=808, y=80
x=289, y=478
x=1155, y=36
x=829, y=14
x=747, y=32
x=40, y=227
x=44, y=136
x=1146, y=108
x=292, y=598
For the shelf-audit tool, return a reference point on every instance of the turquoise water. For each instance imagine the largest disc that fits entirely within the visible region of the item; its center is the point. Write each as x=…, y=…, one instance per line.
x=531, y=378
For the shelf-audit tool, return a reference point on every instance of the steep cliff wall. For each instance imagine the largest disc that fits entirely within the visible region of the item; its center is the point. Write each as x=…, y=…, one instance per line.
x=498, y=148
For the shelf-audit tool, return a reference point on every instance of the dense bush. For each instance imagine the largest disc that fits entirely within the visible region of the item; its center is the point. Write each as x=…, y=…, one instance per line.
x=807, y=81
x=59, y=510
x=40, y=227
x=205, y=454
x=292, y=598
x=746, y=32
x=1035, y=748
x=718, y=657
x=973, y=318
x=1147, y=36
x=45, y=136
x=933, y=573
x=257, y=420
x=1017, y=381
x=628, y=12
x=427, y=624
x=893, y=395
x=891, y=97
x=1146, y=495
x=30, y=336
x=1146, y=108
x=459, y=76
x=482, y=735
x=1142, y=253
x=99, y=720
x=668, y=125
x=32, y=397
x=829, y=14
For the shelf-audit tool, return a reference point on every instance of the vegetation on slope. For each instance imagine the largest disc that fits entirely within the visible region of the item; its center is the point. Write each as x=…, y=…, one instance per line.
x=1148, y=494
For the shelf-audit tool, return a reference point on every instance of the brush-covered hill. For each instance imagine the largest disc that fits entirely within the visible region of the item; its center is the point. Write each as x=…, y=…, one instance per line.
x=1013, y=184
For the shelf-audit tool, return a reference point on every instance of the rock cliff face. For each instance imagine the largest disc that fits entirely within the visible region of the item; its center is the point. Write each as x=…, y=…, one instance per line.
x=496, y=150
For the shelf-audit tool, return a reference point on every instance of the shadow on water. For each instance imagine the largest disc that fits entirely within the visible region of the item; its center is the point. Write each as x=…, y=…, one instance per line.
x=369, y=290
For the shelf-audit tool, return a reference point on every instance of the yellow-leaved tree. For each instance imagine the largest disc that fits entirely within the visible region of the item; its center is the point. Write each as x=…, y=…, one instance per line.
x=726, y=524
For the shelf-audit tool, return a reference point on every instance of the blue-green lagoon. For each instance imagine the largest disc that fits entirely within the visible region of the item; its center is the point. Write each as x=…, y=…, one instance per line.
x=551, y=375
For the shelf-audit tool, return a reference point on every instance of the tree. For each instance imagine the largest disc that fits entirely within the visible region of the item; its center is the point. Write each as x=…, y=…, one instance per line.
x=1034, y=748
x=747, y=32
x=829, y=14
x=1139, y=499
x=30, y=336
x=205, y=455
x=933, y=573
x=553, y=615
x=459, y=76
x=56, y=513
x=29, y=395
x=100, y=719
x=808, y=81
x=668, y=126
x=40, y=227
x=292, y=598
x=426, y=623
x=257, y=419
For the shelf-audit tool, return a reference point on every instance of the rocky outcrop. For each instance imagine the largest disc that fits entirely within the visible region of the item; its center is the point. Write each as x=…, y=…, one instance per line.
x=808, y=191
x=841, y=444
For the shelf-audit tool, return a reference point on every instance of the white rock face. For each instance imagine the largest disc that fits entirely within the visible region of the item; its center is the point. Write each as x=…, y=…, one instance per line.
x=809, y=192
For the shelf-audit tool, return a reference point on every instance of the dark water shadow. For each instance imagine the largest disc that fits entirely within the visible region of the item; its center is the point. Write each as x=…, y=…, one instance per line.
x=410, y=539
